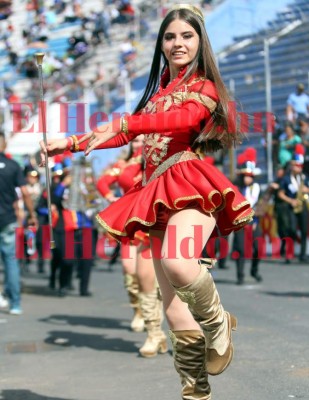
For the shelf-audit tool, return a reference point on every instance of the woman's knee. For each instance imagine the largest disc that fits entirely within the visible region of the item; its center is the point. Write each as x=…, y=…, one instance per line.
x=171, y=266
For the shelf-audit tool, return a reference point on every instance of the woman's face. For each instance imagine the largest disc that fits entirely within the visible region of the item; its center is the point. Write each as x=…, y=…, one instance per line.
x=180, y=45
x=137, y=143
x=248, y=180
x=289, y=131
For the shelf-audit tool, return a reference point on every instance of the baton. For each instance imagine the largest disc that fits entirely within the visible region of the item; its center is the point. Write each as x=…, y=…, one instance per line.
x=39, y=61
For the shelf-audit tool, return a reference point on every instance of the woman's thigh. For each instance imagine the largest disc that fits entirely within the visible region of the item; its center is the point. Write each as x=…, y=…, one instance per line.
x=177, y=313
x=186, y=235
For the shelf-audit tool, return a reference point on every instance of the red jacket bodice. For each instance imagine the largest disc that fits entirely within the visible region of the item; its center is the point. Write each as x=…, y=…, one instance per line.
x=171, y=121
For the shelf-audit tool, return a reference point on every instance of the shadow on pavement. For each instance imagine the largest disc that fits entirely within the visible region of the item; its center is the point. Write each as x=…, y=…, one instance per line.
x=95, y=342
x=224, y=281
x=287, y=294
x=26, y=395
x=92, y=322
x=38, y=290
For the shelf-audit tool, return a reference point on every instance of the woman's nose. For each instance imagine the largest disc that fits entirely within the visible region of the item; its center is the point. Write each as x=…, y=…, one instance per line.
x=178, y=41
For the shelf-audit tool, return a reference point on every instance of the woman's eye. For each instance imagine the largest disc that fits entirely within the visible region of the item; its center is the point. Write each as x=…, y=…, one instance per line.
x=168, y=37
x=188, y=36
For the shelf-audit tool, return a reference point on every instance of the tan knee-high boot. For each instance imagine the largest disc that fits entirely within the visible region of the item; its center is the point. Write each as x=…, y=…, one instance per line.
x=151, y=308
x=217, y=324
x=189, y=361
x=131, y=284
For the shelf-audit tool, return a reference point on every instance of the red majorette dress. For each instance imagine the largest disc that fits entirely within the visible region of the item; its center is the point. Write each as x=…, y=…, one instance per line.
x=174, y=177
x=126, y=174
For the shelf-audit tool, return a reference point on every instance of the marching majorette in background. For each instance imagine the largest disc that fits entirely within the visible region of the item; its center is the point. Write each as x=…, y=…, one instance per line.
x=115, y=175
x=138, y=269
x=294, y=190
x=184, y=106
x=251, y=190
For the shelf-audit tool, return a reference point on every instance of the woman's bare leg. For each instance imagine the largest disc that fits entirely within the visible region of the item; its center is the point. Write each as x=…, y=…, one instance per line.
x=145, y=269
x=177, y=313
x=128, y=259
x=187, y=233
x=194, y=284
x=187, y=338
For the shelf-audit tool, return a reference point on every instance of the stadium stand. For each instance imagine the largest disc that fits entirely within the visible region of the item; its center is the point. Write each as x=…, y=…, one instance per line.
x=243, y=68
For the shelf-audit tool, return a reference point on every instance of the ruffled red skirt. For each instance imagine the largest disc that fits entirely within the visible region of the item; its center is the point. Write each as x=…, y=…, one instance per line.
x=193, y=184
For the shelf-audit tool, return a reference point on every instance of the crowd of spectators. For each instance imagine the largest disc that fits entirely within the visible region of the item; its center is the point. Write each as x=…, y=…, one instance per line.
x=5, y=9
x=90, y=30
x=292, y=130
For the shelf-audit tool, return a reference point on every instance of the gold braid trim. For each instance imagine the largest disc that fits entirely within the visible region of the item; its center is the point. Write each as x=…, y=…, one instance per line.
x=239, y=222
x=112, y=172
x=135, y=160
x=174, y=159
x=205, y=100
x=124, y=126
x=180, y=97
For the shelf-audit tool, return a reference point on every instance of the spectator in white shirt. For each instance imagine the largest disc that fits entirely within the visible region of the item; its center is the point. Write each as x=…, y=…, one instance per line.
x=297, y=104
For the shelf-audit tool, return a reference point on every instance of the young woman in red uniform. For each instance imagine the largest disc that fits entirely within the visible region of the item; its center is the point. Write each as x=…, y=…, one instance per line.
x=139, y=275
x=180, y=197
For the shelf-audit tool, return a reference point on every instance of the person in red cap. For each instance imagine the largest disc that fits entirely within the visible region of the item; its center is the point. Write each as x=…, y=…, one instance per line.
x=294, y=190
x=251, y=191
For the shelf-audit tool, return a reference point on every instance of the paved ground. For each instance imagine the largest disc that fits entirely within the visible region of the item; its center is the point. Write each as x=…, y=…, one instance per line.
x=77, y=348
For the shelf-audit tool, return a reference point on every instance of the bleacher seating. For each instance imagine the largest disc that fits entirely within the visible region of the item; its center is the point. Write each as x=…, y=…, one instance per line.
x=243, y=69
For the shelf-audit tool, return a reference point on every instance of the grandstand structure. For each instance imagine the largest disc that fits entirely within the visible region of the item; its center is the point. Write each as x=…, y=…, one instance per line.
x=245, y=64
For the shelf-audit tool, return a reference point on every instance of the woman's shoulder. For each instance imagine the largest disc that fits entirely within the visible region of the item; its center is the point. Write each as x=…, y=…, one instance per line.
x=202, y=85
x=198, y=89
x=115, y=168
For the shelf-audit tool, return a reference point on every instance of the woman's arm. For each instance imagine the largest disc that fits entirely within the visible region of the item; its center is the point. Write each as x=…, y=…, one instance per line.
x=188, y=117
x=107, y=179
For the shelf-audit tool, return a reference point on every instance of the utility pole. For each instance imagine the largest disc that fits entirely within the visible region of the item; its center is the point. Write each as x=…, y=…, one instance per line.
x=269, y=133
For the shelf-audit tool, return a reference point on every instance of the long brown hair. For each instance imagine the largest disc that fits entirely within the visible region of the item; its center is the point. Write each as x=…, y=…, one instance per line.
x=221, y=130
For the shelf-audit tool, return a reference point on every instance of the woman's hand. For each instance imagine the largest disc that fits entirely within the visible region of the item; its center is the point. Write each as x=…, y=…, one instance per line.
x=112, y=199
x=54, y=146
x=99, y=136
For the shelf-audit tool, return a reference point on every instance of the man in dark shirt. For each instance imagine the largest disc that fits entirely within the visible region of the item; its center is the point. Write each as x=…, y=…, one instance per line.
x=11, y=177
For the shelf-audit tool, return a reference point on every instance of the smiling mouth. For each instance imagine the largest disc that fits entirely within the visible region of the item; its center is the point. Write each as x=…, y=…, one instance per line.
x=178, y=53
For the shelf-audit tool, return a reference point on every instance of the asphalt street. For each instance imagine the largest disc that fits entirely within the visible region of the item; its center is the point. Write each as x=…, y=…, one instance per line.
x=77, y=348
